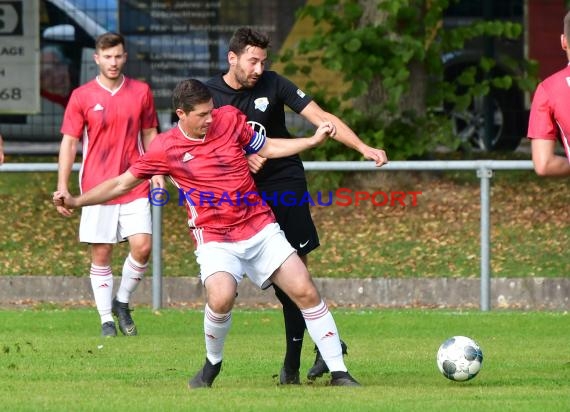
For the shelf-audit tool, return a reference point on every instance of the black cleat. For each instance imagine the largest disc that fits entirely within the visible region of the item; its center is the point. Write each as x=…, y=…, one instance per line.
x=319, y=368
x=289, y=378
x=108, y=329
x=343, y=379
x=205, y=376
x=123, y=313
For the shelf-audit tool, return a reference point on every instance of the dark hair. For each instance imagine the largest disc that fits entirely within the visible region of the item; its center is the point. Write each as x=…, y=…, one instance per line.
x=246, y=36
x=189, y=93
x=567, y=25
x=108, y=40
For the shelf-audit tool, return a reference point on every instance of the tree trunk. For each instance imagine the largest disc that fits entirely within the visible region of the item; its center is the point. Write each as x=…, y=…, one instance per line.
x=414, y=99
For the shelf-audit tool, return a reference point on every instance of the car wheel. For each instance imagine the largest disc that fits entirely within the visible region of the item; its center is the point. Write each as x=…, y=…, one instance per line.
x=507, y=121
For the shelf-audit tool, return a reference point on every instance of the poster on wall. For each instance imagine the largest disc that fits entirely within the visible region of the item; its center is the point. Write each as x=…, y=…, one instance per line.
x=19, y=57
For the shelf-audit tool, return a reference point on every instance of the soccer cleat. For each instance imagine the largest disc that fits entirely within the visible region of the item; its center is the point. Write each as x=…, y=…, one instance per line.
x=123, y=313
x=289, y=378
x=205, y=376
x=108, y=329
x=319, y=368
x=343, y=379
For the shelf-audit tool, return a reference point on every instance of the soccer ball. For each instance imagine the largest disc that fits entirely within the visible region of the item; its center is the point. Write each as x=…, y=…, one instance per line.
x=459, y=358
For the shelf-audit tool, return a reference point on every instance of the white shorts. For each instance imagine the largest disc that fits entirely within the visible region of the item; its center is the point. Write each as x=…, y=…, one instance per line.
x=114, y=223
x=258, y=257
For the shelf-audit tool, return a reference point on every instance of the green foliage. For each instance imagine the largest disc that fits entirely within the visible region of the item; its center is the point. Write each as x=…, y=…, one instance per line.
x=380, y=55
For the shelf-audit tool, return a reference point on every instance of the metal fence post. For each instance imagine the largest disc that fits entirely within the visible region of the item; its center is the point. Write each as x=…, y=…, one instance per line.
x=156, y=257
x=485, y=175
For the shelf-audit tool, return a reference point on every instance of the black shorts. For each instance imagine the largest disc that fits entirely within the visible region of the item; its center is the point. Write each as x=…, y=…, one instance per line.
x=296, y=221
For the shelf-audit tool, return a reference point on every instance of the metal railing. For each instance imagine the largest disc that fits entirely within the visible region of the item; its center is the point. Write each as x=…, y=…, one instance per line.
x=483, y=168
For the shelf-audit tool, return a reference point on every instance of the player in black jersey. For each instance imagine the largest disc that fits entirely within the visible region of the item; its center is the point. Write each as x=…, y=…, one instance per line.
x=262, y=95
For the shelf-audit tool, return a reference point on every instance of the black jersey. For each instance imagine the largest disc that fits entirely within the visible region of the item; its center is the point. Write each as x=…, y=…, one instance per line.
x=265, y=103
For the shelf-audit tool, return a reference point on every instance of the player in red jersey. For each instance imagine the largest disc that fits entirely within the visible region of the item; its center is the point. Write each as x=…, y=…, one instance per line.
x=205, y=153
x=549, y=120
x=115, y=118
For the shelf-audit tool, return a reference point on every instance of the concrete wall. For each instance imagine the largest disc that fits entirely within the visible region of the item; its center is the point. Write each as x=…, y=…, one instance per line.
x=506, y=293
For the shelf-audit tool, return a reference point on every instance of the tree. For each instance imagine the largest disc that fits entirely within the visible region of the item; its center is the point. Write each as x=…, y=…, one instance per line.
x=388, y=54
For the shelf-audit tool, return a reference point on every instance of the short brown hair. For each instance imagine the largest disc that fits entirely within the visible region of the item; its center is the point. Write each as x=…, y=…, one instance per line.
x=189, y=93
x=246, y=36
x=108, y=40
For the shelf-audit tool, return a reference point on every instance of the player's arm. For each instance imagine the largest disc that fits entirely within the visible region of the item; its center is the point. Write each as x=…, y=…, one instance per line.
x=546, y=161
x=103, y=192
x=273, y=148
x=344, y=134
x=67, y=153
x=148, y=136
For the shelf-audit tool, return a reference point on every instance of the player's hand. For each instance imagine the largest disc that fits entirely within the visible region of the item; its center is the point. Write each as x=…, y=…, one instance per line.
x=325, y=130
x=378, y=155
x=255, y=162
x=64, y=203
x=158, y=182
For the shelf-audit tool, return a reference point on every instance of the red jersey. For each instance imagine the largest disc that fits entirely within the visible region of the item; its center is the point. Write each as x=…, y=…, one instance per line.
x=110, y=125
x=549, y=115
x=212, y=176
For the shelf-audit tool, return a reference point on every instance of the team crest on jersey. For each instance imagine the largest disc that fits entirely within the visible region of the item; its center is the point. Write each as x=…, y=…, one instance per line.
x=261, y=103
x=187, y=157
x=300, y=93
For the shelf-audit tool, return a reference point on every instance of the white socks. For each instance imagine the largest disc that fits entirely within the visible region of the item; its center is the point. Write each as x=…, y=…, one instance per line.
x=216, y=328
x=133, y=273
x=102, y=285
x=322, y=329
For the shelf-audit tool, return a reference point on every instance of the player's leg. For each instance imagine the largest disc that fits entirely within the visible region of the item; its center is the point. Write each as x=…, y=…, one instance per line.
x=98, y=227
x=271, y=253
x=101, y=277
x=297, y=283
x=220, y=296
x=320, y=367
x=217, y=268
x=294, y=334
x=134, y=225
x=296, y=222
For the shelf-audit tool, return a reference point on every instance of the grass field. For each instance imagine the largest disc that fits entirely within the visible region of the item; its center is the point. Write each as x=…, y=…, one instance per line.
x=53, y=360
x=530, y=229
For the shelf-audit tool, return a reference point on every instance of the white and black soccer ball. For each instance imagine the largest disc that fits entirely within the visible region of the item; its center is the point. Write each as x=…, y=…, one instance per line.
x=459, y=358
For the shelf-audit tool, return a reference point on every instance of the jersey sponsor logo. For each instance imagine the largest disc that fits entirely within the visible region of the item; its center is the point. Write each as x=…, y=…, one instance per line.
x=97, y=108
x=261, y=103
x=301, y=93
x=302, y=245
x=187, y=157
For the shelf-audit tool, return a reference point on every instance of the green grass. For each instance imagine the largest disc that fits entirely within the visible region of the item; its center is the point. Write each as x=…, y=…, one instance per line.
x=530, y=229
x=53, y=360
